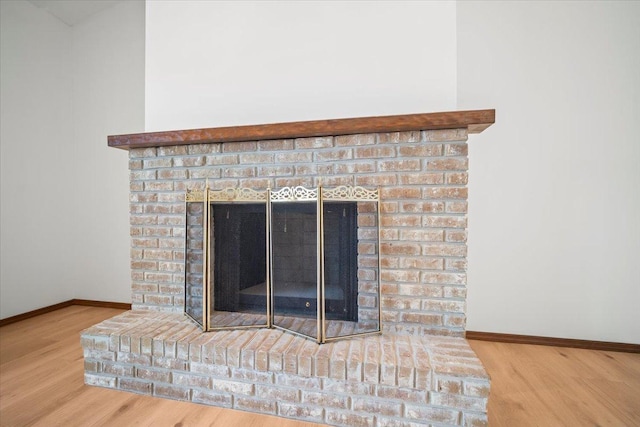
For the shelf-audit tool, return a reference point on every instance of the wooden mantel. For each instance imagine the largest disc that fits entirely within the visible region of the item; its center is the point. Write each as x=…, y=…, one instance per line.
x=475, y=121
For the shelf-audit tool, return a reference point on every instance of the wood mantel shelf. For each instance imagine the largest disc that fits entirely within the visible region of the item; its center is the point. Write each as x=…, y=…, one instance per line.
x=475, y=121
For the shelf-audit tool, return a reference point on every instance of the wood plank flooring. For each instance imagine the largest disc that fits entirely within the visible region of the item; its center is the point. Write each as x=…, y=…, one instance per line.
x=41, y=384
x=534, y=385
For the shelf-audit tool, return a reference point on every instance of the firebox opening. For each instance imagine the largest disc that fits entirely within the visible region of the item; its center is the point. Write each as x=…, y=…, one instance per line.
x=295, y=259
x=239, y=259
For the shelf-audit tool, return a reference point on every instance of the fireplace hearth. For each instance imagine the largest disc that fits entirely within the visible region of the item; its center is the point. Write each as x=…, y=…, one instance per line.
x=418, y=370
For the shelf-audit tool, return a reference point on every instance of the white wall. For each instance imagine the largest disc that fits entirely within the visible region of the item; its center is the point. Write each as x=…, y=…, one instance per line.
x=36, y=141
x=65, y=231
x=226, y=63
x=554, y=217
x=108, y=99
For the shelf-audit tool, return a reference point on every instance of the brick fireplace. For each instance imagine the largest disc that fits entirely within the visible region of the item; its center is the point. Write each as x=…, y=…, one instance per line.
x=419, y=371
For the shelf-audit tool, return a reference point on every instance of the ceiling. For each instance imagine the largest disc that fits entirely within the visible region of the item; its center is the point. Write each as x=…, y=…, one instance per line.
x=72, y=12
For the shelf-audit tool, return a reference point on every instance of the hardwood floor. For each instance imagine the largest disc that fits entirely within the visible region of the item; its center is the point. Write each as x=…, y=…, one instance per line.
x=534, y=385
x=41, y=384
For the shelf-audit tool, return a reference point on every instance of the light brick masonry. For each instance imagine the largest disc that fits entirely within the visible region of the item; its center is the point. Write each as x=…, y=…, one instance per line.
x=420, y=371
x=422, y=178
x=384, y=380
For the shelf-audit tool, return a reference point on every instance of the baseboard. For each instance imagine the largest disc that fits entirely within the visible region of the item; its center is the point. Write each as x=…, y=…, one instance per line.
x=470, y=335
x=34, y=313
x=105, y=304
x=54, y=307
x=556, y=342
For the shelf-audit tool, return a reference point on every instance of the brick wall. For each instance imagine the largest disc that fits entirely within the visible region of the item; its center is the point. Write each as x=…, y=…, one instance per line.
x=422, y=177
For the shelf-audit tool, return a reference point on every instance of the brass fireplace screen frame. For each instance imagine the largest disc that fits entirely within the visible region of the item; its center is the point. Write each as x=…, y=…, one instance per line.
x=200, y=278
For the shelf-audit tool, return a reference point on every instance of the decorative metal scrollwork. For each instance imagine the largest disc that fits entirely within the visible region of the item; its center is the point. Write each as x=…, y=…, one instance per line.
x=194, y=196
x=295, y=193
x=237, y=194
x=344, y=192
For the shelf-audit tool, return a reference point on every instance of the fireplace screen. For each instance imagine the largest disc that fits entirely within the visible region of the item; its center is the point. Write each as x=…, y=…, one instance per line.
x=303, y=260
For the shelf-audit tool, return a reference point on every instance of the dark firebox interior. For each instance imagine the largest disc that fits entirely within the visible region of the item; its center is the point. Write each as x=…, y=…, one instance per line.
x=239, y=263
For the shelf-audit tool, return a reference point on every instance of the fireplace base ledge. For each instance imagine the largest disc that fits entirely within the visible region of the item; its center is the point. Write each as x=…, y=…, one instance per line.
x=380, y=380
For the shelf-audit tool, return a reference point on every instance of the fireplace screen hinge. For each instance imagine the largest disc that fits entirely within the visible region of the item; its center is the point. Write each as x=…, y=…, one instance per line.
x=304, y=260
